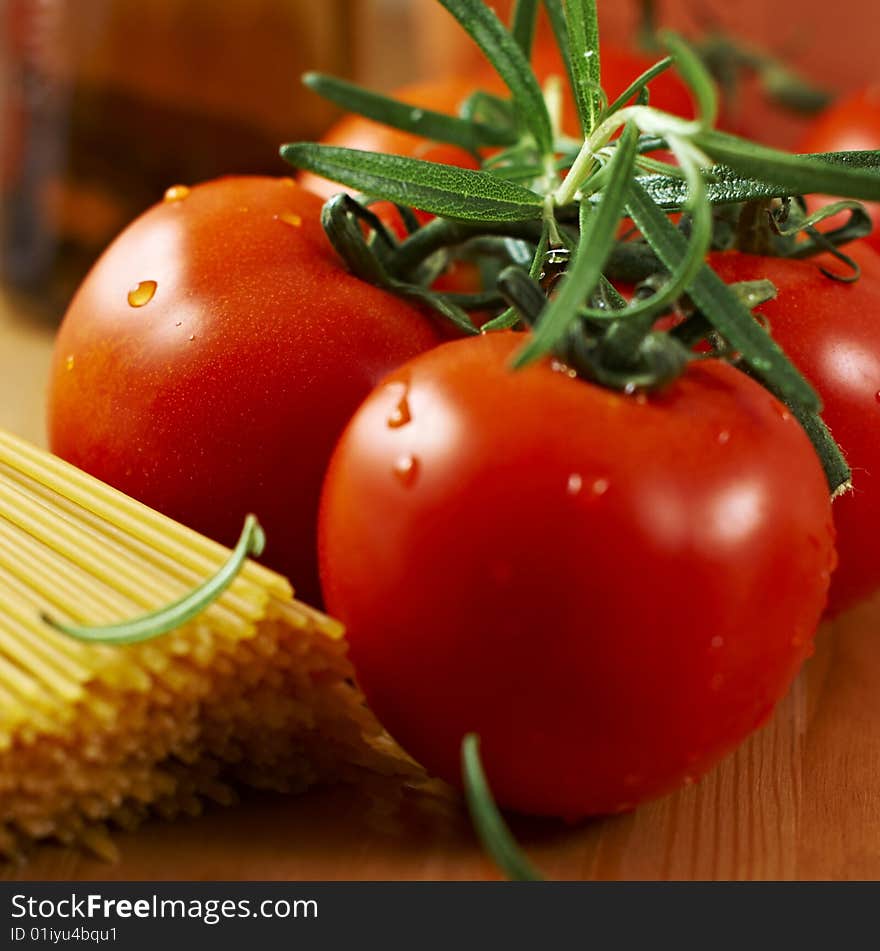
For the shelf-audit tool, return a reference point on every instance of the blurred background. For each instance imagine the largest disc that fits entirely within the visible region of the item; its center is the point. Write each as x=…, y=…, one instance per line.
x=105, y=103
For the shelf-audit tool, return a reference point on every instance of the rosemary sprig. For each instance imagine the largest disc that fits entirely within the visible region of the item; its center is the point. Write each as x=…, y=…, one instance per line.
x=178, y=613
x=488, y=821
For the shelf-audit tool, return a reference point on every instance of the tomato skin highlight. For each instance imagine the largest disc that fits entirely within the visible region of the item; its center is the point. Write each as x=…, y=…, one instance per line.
x=831, y=331
x=225, y=392
x=853, y=123
x=612, y=591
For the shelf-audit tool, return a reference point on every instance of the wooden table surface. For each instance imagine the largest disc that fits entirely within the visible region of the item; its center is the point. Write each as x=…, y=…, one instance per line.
x=800, y=800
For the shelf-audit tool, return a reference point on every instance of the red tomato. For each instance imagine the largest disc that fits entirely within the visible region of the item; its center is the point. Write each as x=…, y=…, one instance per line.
x=611, y=590
x=224, y=391
x=832, y=333
x=852, y=123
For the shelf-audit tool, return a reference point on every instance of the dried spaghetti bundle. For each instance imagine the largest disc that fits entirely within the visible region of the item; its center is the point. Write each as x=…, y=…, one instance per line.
x=256, y=689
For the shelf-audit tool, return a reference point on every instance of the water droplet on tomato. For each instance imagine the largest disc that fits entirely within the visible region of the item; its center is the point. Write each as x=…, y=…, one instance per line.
x=782, y=411
x=717, y=641
x=723, y=437
x=600, y=486
x=575, y=484
x=689, y=780
x=289, y=218
x=176, y=193
x=558, y=367
x=406, y=469
x=629, y=389
x=416, y=114
x=178, y=323
x=142, y=293
x=69, y=362
x=400, y=415
x=192, y=336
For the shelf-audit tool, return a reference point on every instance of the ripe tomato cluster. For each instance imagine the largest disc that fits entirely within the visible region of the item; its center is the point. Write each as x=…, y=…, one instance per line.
x=612, y=589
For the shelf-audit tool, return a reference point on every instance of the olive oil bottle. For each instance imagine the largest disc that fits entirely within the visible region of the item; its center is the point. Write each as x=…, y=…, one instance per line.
x=106, y=103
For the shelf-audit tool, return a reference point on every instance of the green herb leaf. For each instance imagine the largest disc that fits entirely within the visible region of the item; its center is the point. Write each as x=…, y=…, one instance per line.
x=490, y=110
x=525, y=14
x=556, y=15
x=408, y=118
x=509, y=61
x=796, y=174
x=696, y=76
x=439, y=189
x=583, y=34
x=178, y=613
x=488, y=821
x=726, y=185
x=598, y=232
x=688, y=266
x=722, y=308
x=637, y=85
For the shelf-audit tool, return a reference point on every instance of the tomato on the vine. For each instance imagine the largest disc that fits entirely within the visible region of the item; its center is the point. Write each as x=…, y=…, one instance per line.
x=213, y=355
x=831, y=331
x=447, y=95
x=612, y=590
x=853, y=123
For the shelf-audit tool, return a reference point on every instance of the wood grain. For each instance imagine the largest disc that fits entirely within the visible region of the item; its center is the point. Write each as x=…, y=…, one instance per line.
x=799, y=800
x=25, y=349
